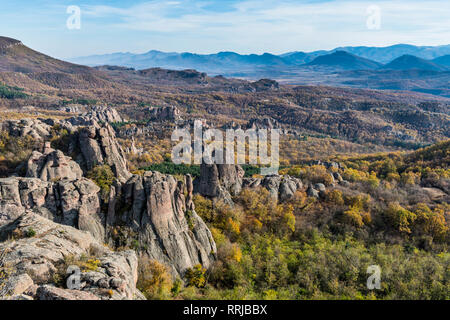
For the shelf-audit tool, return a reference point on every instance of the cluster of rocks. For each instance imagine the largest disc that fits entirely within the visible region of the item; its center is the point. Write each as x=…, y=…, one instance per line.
x=281, y=188
x=168, y=113
x=35, y=128
x=98, y=145
x=51, y=165
x=40, y=128
x=70, y=202
x=222, y=181
x=156, y=209
x=31, y=262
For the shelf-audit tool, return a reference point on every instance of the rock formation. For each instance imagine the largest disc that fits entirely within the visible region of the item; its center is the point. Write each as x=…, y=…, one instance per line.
x=32, y=260
x=98, y=145
x=35, y=128
x=169, y=113
x=52, y=165
x=281, y=188
x=219, y=181
x=155, y=208
x=73, y=203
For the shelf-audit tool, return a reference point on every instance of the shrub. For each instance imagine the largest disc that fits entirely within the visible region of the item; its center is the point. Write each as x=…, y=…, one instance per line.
x=431, y=222
x=195, y=276
x=154, y=280
x=104, y=177
x=400, y=218
x=30, y=233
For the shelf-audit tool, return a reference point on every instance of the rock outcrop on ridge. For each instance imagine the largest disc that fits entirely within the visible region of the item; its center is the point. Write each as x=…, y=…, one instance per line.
x=222, y=181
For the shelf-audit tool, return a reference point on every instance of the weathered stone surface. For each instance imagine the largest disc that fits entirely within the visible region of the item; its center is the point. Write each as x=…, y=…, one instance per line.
x=74, y=203
x=219, y=181
x=288, y=187
x=170, y=113
x=281, y=188
x=98, y=145
x=38, y=257
x=311, y=192
x=47, y=292
x=35, y=128
x=104, y=114
x=16, y=285
x=53, y=165
x=158, y=213
x=96, y=114
x=10, y=202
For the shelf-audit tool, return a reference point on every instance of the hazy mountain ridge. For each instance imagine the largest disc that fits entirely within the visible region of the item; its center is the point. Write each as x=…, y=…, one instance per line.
x=382, y=67
x=227, y=60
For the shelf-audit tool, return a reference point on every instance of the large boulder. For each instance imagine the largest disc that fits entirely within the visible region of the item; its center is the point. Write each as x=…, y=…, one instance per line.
x=219, y=181
x=281, y=188
x=32, y=260
x=52, y=165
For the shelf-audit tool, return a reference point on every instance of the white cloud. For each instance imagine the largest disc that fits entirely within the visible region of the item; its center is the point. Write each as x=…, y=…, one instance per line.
x=278, y=26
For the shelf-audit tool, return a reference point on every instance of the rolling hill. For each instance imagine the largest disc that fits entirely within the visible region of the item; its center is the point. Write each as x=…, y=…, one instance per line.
x=345, y=61
x=443, y=61
x=409, y=62
x=33, y=66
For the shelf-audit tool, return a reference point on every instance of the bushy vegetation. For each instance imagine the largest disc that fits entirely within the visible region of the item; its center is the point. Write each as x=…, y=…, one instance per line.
x=309, y=248
x=8, y=92
x=154, y=280
x=174, y=169
x=104, y=177
x=14, y=152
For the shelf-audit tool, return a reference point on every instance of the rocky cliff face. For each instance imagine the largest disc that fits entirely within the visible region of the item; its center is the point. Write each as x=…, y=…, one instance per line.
x=73, y=203
x=154, y=206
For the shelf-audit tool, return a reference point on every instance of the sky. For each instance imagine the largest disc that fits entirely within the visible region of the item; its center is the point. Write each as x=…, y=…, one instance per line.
x=210, y=26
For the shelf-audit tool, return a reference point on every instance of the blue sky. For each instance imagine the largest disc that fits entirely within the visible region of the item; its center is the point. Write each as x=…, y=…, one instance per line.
x=207, y=26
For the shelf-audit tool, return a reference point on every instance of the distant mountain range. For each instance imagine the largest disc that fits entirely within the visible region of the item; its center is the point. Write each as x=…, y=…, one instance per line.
x=228, y=62
x=338, y=68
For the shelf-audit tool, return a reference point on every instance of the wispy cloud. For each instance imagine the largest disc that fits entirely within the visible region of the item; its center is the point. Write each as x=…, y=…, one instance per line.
x=240, y=25
x=285, y=24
